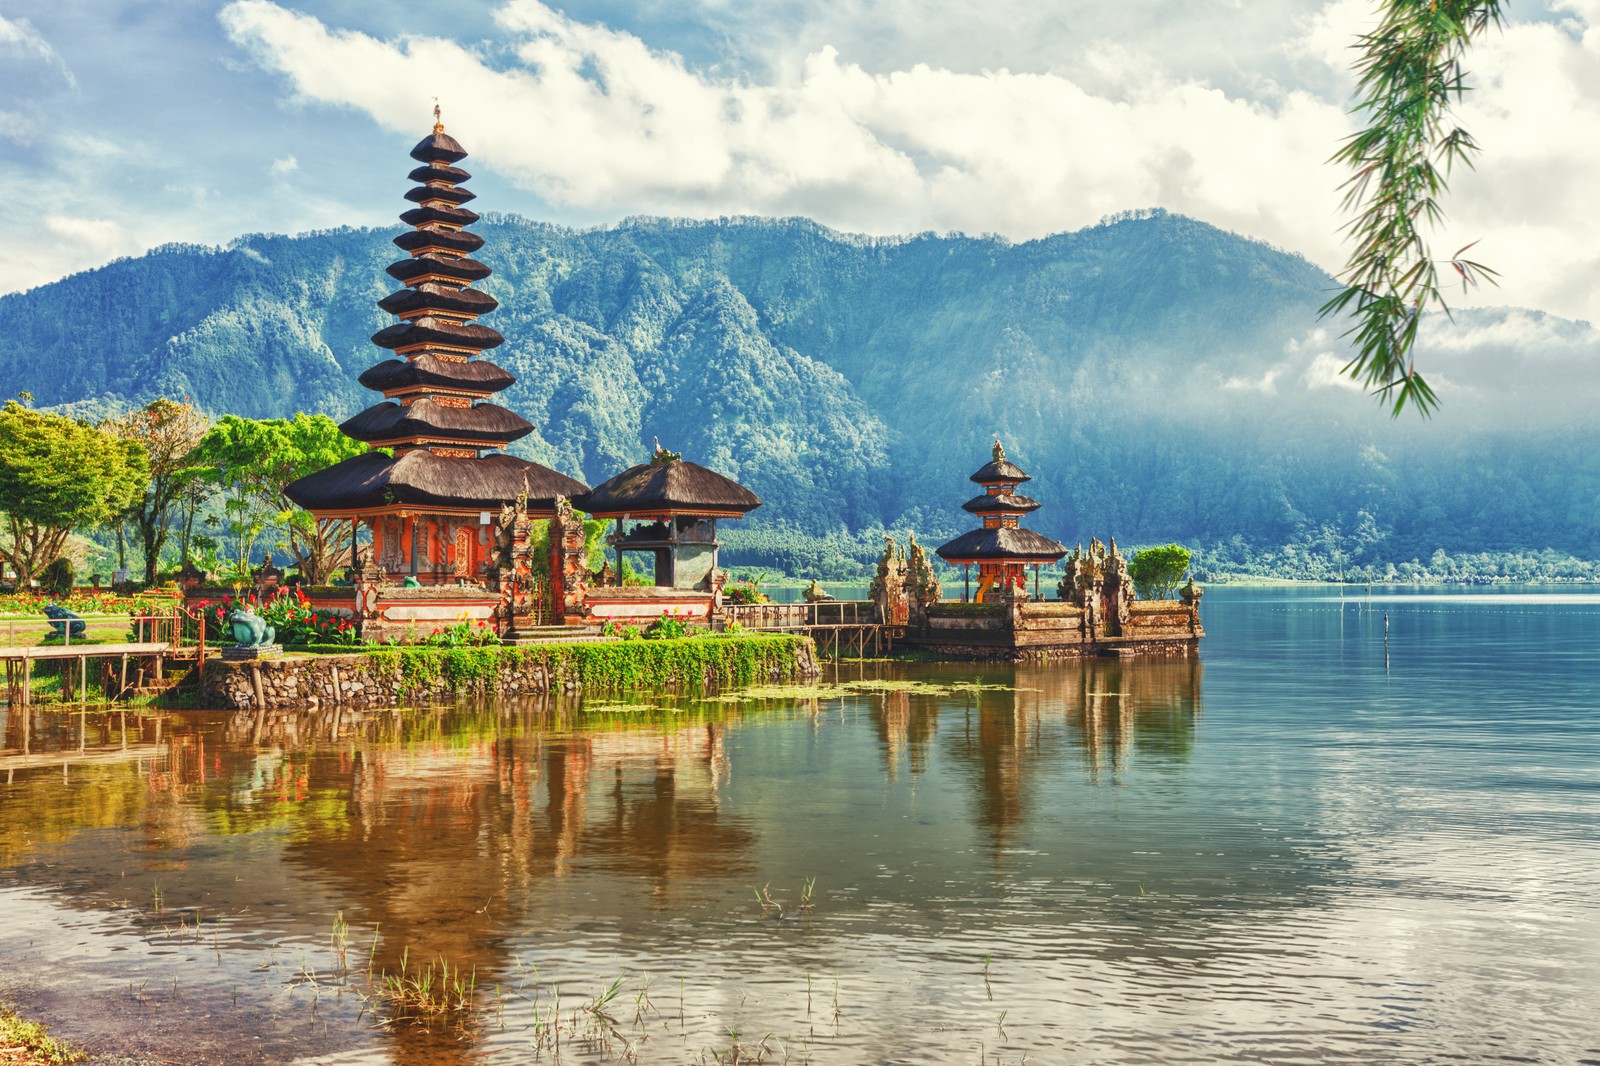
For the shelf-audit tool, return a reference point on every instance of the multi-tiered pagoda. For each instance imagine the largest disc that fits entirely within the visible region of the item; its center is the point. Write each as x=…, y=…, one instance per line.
x=430, y=504
x=1001, y=550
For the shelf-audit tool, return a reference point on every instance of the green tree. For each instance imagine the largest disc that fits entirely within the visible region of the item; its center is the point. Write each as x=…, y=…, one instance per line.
x=253, y=460
x=56, y=475
x=168, y=431
x=1409, y=71
x=1157, y=572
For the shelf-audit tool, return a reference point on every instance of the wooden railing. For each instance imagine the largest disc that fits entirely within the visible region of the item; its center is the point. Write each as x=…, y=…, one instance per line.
x=783, y=617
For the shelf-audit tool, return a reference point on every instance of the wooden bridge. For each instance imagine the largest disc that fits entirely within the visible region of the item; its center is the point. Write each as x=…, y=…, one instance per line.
x=157, y=640
x=840, y=627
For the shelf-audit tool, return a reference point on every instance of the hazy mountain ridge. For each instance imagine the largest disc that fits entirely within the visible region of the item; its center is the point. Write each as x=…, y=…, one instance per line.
x=1162, y=379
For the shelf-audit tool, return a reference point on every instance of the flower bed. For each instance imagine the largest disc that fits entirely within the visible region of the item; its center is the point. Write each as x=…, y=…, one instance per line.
x=288, y=611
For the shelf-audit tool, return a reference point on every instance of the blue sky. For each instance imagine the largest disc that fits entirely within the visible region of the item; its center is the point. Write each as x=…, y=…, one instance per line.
x=130, y=124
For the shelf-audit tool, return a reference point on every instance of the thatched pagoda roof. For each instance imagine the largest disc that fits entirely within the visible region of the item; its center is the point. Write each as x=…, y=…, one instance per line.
x=1004, y=503
x=998, y=470
x=671, y=486
x=449, y=241
x=1013, y=545
x=421, y=194
x=474, y=375
x=431, y=296
x=419, y=478
x=442, y=331
x=480, y=424
x=439, y=172
x=438, y=147
x=459, y=268
x=449, y=216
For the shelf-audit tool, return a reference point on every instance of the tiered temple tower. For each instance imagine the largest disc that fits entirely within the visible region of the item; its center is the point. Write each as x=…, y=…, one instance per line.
x=1001, y=550
x=430, y=504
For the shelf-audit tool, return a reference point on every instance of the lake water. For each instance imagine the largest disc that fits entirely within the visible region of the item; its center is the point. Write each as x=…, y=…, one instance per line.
x=1312, y=845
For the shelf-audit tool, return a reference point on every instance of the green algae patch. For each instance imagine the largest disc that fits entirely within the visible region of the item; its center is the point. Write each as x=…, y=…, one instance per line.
x=783, y=692
x=898, y=684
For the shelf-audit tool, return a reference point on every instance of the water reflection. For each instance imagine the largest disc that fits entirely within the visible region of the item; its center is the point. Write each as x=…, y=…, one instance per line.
x=1133, y=867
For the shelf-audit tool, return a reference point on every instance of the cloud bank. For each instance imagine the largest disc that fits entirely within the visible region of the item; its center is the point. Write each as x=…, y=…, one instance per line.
x=600, y=124
x=596, y=121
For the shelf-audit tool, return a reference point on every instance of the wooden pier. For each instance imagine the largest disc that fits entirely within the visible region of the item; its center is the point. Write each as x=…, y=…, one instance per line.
x=158, y=641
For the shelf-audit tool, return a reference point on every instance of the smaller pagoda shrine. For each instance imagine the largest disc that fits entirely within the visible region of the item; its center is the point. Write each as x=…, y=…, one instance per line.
x=1001, y=550
x=668, y=508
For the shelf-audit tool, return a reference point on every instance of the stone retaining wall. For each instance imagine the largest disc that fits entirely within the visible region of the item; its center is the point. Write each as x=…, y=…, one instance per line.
x=388, y=678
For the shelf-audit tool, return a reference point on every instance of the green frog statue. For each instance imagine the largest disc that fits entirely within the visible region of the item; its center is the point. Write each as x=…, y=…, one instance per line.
x=249, y=629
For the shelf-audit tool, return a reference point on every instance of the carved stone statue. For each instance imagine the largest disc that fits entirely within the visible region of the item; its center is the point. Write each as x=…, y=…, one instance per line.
x=815, y=593
x=1190, y=594
x=921, y=582
x=1067, y=588
x=1117, y=591
x=63, y=621
x=888, y=588
x=249, y=630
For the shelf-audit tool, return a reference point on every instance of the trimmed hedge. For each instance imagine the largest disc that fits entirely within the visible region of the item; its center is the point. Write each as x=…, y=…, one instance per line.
x=689, y=661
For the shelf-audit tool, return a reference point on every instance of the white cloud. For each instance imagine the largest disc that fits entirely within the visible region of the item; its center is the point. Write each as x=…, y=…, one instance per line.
x=18, y=35
x=1266, y=384
x=67, y=243
x=1327, y=372
x=284, y=166
x=595, y=121
x=1512, y=329
x=600, y=125
x=94, y=237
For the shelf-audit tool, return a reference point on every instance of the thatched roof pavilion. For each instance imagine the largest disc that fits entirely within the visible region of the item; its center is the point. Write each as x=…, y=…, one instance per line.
x=674, y=506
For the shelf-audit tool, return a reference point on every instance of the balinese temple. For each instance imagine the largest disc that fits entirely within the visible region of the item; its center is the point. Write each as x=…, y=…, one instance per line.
x=668, y=509
x=430, y=504
x=1001, y=549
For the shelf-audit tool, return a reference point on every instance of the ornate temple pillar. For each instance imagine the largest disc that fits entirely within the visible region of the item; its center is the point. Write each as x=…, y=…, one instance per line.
x=568, y=567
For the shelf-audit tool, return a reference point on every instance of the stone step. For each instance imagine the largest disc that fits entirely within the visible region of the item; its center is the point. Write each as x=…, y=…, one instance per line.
x=555, y=635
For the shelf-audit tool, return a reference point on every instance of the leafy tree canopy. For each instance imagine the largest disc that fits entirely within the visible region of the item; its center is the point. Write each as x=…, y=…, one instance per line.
x=57, y=475
x=253, y=460
x=167, y=431
x=1157, y=572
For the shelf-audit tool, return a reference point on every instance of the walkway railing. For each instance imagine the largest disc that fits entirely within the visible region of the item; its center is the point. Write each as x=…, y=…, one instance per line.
x=839, y=627
x=781, y=617
x=158, y=631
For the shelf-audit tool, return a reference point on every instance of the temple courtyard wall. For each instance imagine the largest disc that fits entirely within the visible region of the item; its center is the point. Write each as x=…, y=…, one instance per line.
x=1051, y=631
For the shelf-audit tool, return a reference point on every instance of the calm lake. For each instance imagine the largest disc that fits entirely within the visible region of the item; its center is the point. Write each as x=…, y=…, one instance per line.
x=1311, y=845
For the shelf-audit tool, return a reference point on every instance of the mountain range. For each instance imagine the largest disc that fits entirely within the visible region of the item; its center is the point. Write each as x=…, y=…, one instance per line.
x=1161, y=379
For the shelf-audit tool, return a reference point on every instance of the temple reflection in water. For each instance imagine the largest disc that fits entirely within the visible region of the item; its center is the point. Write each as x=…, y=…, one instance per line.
x=484, y=833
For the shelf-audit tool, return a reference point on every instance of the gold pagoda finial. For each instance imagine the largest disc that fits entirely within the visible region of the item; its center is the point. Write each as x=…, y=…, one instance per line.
x=999, y=452
x=438, y=123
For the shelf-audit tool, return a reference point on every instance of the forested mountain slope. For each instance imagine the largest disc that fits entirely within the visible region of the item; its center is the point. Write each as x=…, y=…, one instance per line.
x=1161, y=379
